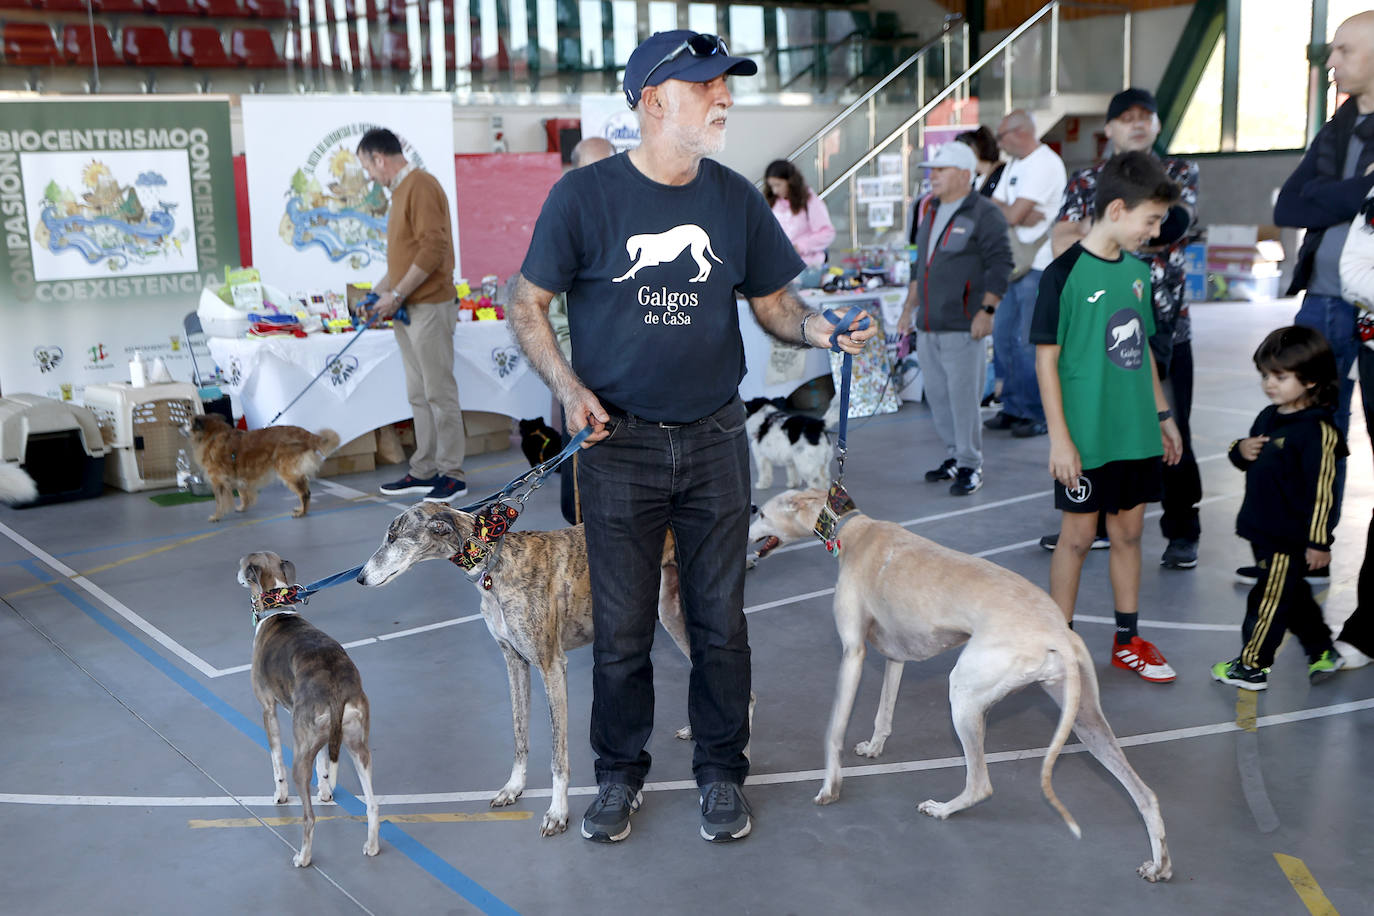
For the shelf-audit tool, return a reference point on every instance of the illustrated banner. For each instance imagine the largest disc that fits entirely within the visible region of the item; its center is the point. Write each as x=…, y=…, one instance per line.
x=318, y=222
x=116, y=214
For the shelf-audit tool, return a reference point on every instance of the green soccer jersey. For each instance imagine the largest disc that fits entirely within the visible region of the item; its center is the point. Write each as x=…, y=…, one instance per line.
x=1099, y=313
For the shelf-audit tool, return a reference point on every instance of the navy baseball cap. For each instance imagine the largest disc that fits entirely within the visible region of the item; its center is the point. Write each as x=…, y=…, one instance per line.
x=1127, y=99
x=680, y=55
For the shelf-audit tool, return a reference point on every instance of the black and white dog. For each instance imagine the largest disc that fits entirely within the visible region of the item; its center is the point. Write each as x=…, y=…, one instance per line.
x=797, y=442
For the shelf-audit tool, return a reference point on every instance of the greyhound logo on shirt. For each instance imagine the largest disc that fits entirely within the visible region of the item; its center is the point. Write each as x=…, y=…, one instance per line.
x=658, y=248
x=1125, y=339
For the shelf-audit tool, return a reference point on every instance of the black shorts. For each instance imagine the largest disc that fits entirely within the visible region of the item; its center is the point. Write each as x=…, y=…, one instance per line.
x=1113, y=487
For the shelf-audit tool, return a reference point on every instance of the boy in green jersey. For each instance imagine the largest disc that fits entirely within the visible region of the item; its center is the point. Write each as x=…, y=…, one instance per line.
x=1109, y=421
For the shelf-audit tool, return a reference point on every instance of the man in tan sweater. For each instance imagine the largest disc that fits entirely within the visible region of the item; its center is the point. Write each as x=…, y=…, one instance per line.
x=419, y=275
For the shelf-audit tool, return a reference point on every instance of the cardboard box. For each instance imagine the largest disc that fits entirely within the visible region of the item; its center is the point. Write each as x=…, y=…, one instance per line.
x=487, y=432
x=1224, y=236
x=347, y=464
x=366, y=444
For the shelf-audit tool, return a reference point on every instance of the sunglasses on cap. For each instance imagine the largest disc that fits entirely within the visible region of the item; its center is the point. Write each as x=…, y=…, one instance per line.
x=698, y=46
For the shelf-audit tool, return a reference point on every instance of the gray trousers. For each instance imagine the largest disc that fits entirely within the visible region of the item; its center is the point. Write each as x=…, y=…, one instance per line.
x=954, y=367
x=426, y=346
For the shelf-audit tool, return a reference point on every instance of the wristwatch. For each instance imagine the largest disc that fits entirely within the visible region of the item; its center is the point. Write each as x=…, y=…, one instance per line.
x=990, y=309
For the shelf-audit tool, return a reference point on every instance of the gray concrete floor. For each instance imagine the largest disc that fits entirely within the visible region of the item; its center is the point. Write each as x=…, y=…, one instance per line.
x=133, y=750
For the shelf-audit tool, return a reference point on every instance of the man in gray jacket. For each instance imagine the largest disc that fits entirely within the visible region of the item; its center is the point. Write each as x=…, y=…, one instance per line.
x=963, y=264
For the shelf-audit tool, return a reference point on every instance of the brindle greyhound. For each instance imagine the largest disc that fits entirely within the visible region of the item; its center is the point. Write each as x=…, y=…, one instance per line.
x=301, y=668
x=539, y=605
x=913, y=599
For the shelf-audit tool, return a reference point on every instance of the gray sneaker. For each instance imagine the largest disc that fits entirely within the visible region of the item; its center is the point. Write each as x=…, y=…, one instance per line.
x=724, y=813
x=608, y=816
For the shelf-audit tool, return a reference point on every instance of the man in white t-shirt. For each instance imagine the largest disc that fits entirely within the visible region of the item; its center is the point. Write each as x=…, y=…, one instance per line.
x=1029, y=195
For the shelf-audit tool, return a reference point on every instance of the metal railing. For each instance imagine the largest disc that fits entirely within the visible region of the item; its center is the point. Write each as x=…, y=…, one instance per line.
x=957, y=87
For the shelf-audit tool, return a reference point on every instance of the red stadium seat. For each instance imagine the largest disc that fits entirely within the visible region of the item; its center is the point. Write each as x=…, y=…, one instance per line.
x=77, y=45
x=254, y=48
x=119, y=6
x=221, y=9
x=172, y=7
x=64, y=6
x=201, y=46
x=16, y=4
x=395, y=52
x=30, y=44
x=146, y=46
x=269, y=9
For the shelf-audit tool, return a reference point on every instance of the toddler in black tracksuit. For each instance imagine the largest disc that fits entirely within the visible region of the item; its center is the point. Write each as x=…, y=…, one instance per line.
x=1289, y=460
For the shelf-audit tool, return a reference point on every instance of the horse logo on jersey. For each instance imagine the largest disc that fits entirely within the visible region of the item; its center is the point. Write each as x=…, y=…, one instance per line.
x=658, y=248
x=1125, y=339
x=1081, y=491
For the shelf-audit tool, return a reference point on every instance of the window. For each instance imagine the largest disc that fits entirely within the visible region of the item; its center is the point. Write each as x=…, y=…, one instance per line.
x=662, y=16
x=701, y=17
x=593, y=52
x=1271, y=94
x=1200, y=129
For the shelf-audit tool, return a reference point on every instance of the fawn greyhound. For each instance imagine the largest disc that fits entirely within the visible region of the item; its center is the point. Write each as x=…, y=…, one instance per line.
x=913, y=599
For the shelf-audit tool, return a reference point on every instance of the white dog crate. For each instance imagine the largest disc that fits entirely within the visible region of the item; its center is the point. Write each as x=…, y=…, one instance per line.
x=59, y=445
x=144, y=429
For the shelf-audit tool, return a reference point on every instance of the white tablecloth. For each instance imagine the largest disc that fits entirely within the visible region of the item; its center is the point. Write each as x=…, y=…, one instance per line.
x=366, y=389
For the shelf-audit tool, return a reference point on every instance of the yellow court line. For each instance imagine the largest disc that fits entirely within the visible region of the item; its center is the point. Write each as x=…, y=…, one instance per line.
x=432, y=818
x=147, y=553
x=1297, y=873
x=1247, y=705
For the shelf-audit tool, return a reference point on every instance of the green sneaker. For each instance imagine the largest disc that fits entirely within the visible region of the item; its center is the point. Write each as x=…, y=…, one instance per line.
x=1240, y=675
x=1327, y=664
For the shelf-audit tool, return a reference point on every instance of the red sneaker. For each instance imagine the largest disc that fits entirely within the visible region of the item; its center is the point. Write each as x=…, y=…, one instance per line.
x=1144, y=659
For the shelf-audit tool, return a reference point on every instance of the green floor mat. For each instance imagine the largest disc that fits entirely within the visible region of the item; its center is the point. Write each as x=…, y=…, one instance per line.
x=179, y=498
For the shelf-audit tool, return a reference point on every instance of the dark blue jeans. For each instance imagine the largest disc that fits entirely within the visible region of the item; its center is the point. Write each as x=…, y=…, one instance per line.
x=1011, y=344
x=635, y=484
x=1335, y=318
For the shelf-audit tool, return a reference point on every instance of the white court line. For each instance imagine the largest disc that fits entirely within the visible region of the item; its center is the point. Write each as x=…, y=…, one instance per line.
x=755, y=779
x=111, y=602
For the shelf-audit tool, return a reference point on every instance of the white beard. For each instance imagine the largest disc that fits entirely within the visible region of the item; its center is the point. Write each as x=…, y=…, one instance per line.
x=697, y=140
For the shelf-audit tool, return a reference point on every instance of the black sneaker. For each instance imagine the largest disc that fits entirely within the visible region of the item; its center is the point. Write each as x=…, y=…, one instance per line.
x=1001, y=420
x=1028, y=429
x=608, y=816
x=991, y=400
x=1180, y=554
x=1051, y=541
x=1239, y=675
x=724, y=813
x=409, y=484
x=966, y=481
x=445, y=488
x=1248, y=575
x=944, y=472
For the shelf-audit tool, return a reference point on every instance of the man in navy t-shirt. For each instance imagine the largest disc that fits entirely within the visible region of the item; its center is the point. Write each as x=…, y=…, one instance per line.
x=651, y=247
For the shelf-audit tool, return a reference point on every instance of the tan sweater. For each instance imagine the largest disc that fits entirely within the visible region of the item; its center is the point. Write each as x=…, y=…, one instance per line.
x=417, y=232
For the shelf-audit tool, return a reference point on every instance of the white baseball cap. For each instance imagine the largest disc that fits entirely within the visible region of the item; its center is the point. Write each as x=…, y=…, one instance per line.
x=953, y=155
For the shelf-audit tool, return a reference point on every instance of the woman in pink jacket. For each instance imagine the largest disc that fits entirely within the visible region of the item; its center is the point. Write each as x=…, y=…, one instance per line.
x=802, y=214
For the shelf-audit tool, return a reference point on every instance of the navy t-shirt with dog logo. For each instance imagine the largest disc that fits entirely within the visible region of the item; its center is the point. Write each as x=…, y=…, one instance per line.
x=651, y=272
x=1100, y=315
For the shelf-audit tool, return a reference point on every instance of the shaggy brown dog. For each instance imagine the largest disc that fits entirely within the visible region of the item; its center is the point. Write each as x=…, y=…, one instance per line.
x=234, y=459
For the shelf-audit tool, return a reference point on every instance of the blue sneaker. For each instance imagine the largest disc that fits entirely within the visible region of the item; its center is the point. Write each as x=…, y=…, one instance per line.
x=409, y=484
x=446, y=488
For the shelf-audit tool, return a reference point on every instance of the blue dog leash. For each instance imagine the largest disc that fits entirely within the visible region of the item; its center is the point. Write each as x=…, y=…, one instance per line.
x=841, y=324
x=273, y=598
x=367, y=300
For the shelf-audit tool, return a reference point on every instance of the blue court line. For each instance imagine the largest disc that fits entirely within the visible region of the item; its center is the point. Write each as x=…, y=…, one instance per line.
x=183, y=535
x=412, y=848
